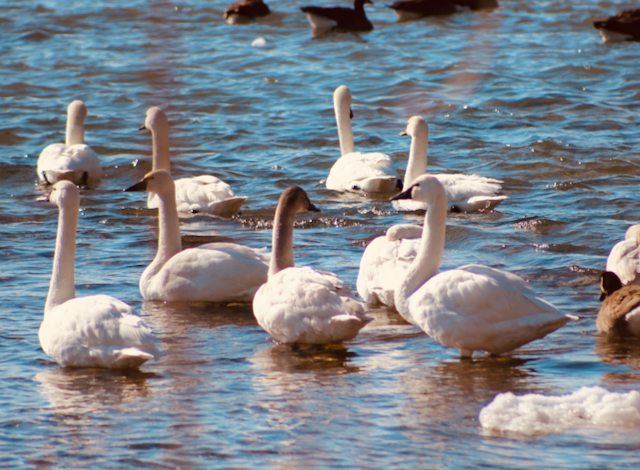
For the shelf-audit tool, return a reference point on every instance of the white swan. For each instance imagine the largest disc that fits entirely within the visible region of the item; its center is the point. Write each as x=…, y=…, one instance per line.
x=214, y=272
x=74, y=160
x=203, y=193
x=465, y=193
x=474, y=307
x=624, y=259
x=94, y=331
x=370, y=172
x=303, y=305
x=385, y=261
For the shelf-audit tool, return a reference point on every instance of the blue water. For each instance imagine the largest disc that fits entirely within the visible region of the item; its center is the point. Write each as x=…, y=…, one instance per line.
x=527, y=93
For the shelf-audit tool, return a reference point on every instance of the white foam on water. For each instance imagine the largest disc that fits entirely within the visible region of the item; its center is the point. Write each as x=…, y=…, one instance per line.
x=539, y=414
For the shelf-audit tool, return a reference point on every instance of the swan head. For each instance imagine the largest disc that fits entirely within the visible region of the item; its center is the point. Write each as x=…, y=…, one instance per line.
x=297, y=199
x=156, y=120
x=425, y=188
x=633, y=233
x=77, y=110
x=415, y=126
x=157, y=181
x=609, y=283
x=62, y=193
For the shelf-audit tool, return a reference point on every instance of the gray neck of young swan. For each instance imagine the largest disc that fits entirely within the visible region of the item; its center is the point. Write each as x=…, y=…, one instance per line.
x=282, y=241
x=417, y=164
x=160, y=137
x=169, y=241
x=62, y=285
x=429, y=256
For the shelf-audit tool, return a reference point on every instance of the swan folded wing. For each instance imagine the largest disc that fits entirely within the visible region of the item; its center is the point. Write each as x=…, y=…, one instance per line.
x=97, y=331
x=477, y=308
x=215, y=272
x=624, y=260
x=308, y=306
x=60, y=159
x=382, y=268
x=364, y=171
x=471, y=192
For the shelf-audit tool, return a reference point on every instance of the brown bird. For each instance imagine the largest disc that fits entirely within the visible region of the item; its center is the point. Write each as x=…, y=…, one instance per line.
x=620, y=311
x=625, y=26
x=476, y=4
x=414, y=9
x=340, y=18
x=245, y=11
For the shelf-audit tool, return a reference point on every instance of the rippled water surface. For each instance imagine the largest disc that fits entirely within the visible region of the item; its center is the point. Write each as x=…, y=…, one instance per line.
x=526, y=93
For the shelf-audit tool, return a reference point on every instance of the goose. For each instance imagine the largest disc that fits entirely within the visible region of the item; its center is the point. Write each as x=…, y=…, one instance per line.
x=245, y=11
x=385, y=261
x=624, y=259
x=407, y=10
x=625, y=26
x=369, y=172
x=302, y=304
x=339, y=18
x=620, y=311
x=199, y=194
x=465, y=193
x=471, y=308
x=74, y=160
x=214, y=272
x=93, y=331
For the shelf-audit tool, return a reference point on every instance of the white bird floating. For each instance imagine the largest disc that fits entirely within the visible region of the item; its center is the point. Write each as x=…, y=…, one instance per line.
x=303, y=305
x=213, y=272
x=624, y=259
x=465, y=193
x=353, y=171
x=94, y=331
x=74, y=160
x=385, y=261
x=473, y=307
x=199, y=194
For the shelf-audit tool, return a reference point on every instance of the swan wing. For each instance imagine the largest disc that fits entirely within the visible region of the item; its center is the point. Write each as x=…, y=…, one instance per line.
x=97, y=331
x=471, y=192
x=382, y=268
x=477, y=308
x=308, y=306
x=372, y=172
x=77, y=163
x=624, y=260
x=215, y=272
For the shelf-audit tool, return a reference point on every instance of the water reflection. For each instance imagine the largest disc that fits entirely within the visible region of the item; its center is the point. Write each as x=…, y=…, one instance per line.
x=624, y=352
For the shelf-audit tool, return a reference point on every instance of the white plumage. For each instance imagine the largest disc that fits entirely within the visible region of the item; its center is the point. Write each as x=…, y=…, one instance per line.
x=214, y=272
x=303, y=305
x=471, y=308
x=370, y=172
x=465, y=193
x=94, y=331
x=385, y=261
x=624, y=259
x=74, y=160
x=204, y=193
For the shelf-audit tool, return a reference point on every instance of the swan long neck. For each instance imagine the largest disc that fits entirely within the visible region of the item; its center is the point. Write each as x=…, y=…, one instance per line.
x=75, y=129
x=169, y=241
x=161, y=156
x=342, y=110
x=429, y=256
x=282, y=241
x=417, y=164
x=62, y=285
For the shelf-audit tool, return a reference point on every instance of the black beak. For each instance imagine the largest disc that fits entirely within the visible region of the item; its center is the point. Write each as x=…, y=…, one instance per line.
x=141, y=186
x=403, y=134
x=350, y=113
x=44, y=198
x=403, y=195
x=142, y=128
x=313, y=208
